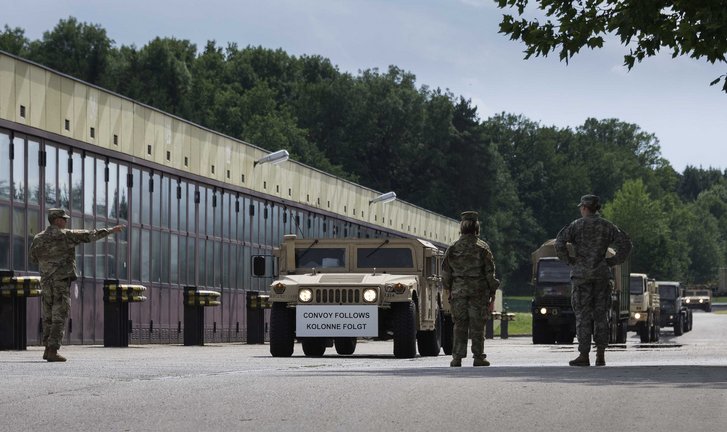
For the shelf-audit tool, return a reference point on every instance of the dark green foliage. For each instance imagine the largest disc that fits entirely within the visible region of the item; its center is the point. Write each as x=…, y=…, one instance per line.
x=429, y=146
x=697, y=29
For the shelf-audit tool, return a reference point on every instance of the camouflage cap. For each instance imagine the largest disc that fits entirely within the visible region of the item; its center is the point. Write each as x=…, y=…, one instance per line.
x=589, y=201
x=56, y=213
x=470, y=215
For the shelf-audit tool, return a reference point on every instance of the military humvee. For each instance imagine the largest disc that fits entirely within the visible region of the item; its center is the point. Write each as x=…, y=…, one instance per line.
x=330, y=292
x=698, y=299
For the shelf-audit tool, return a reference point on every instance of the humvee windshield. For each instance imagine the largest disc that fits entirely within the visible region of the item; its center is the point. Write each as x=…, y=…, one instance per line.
x=553, y=271
x=702, y=293
x=636, y=285
x=668, y=292
x=384, y=258
x=320, y=257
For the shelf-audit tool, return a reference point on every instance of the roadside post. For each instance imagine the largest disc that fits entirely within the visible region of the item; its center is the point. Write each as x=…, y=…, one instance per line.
x=14, y=292
x=194, y=303
x=116, y=298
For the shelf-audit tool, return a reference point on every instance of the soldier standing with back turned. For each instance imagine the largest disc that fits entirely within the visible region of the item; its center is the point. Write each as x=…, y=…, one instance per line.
x=468, y=276
x=54, y=250
x=591, y=235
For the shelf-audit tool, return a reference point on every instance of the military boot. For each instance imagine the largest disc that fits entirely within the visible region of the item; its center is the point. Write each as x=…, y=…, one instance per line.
x=45, y=353
x=600, y=357
x=53, y=356
x=480, y=361
x=456, y=362
x=581, y=360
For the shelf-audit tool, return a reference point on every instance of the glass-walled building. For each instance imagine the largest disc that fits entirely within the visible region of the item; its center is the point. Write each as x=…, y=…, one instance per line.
x=196, y=205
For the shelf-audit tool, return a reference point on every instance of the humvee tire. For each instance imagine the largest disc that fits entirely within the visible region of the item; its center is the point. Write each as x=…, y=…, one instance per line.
x=345, y=345
x=313, y=346
x=404, y=327
x=282, y=330
x=429, y=342
x=447, y=333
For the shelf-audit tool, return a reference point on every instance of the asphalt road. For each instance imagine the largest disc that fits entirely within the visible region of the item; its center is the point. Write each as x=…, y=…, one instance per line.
x=677, y=384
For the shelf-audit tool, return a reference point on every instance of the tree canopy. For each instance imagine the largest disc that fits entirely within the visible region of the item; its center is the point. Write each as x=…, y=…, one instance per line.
x=697, y=29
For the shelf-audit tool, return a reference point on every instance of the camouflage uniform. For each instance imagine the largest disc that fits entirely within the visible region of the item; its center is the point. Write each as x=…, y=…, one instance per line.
x=53, y=249
x=591, y=276
x=468, y=272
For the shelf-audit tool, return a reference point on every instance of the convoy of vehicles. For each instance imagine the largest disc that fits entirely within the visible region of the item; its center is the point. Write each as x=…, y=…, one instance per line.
x=330, y=292
x=698, y=299
x=553, y=316
x=645, y=307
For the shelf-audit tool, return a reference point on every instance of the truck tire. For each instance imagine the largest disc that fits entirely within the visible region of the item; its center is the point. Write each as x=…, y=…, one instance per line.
x=644, y=332
x=313, y=346
x=405, y=332
x=655, y=332
x=282, y=330
x=679, y=326
x=447, y=334
x=345, y=345
x=690, y=321
x=429, y=342
x=542, y=333
x=622, y=331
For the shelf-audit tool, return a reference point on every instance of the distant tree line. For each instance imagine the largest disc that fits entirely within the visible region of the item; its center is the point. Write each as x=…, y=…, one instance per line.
x=430, y=146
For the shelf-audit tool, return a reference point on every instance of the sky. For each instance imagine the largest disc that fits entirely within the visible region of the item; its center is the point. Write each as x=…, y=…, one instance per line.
x=447, y=44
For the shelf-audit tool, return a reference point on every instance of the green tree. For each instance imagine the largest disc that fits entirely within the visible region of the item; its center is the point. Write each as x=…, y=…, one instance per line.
x=13, y=40
x=697, y=29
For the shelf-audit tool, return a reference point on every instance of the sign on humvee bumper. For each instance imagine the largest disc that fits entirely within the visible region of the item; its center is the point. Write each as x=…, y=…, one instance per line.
x=330, y=292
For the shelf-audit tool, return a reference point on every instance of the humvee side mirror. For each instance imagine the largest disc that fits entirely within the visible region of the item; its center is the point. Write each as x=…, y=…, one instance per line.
x=258, y=266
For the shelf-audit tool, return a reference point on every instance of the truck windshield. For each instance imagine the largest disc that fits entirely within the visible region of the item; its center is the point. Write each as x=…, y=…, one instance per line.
x=320, y=257
x=636, y=285
x=553, y=271
x=668, y=292
x=384, y=258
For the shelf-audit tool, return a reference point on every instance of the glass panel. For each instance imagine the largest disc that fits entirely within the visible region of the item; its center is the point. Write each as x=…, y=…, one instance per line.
x=227, y=275
x=554, y=271
x=135, y=254
x=201, y=263
x=19, y=239
x=191, y=210
x=113, y=191
x=156, y=200
x=190, y=260
x=100, y=257
x=89, y=168
x=144, y=185
x=226, y=216
x=4, y=169
x=111, y=260
x=4, y=236
x=312, y=257
x=183, y=260
x=33, y=187
x=165, y=257
x=136, y=196
x=212, y=272
x=51, y=169
x=636, y=285
x=122, y=238
x=64, y=185
x=101, y=204
x=219, y=209
x=174, y=259
x=123, y=195
x=156, y=256
x=164, y=207
x=34, y=227
x=19, y=169
x=173, y=207
x=384, y=258
x=77, y=183
x=145, y=255
x=217, y=264
x=183, y=207
x=208, y=212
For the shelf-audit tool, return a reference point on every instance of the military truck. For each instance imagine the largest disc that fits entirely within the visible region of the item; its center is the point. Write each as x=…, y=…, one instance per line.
x=674, y=312
x=330, y=292
x=645, y=307
x=553, y=317
x=698, y=299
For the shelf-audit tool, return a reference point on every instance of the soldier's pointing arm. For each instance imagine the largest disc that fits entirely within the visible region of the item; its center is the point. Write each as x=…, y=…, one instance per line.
x=88, y=236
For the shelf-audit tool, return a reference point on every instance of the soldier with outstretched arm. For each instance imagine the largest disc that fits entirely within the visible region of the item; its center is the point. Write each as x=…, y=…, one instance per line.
x=53, y=249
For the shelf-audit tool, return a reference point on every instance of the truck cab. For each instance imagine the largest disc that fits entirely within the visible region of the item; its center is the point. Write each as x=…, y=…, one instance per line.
x=674, y=312
x=645, y=307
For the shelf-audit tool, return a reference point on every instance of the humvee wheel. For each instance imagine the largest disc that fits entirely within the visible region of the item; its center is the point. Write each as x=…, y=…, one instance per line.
x=282, y=330
x=313, y=346
x=429, y=342
x=447, y=333
x=345, y=345
x=405, y=331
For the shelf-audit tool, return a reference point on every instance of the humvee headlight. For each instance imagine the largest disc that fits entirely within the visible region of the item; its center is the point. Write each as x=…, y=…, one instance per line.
x=399, y=288
x=701, y=300
x=543, y=311
x=689, y=300
x=370, y=295
x=279, y=288
x=305, y=295
x=637, y=315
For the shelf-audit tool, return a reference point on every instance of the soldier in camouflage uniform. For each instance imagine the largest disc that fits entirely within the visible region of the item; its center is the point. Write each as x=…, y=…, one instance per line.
x=591, y=235
x=53, y=249
x=468, y=276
